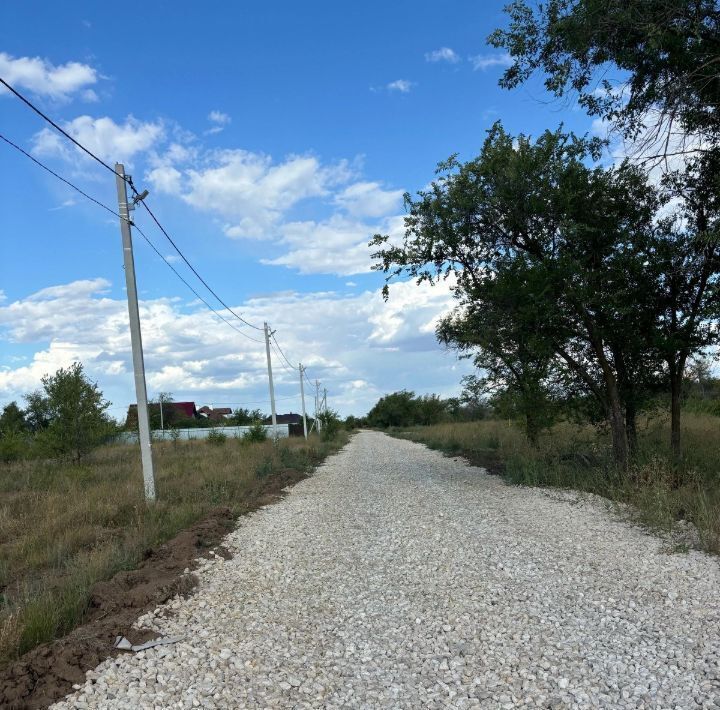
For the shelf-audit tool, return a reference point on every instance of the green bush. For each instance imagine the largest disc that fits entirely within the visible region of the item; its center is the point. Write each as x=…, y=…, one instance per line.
x=256, y=433
x=331, y=424
x=217, y=438
x=12, y=446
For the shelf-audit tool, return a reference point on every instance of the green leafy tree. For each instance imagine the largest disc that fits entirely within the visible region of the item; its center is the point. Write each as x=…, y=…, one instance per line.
x=12, y=419
x=664, y=53
x=579, y=235
x=241, y=417
x=396, y=409
x=352, y=422
x=666, y=98
x=77, y=419
x=13, y=433
x=516, y=356
x=430, y=409
x=37, y=411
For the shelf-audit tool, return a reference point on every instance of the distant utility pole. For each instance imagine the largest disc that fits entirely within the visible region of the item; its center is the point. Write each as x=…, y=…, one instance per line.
x=135, y=334
x=324, y=405
x=270, y=379
x=317, y=406
x=302, y=397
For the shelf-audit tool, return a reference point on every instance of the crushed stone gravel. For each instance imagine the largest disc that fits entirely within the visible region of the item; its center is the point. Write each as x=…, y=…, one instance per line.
x=399, y=578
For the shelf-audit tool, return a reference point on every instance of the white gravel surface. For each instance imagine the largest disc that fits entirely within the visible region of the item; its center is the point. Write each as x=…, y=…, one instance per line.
x=398, y=578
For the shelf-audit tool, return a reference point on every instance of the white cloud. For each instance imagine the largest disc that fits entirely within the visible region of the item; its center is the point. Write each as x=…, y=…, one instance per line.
x=368, y=199
x=166, y=179
x=44, y=78
x=481, y=62
x=220, y=121
x=107, y=139
x=249, y=190
x=444, y=54
x=401, y=85
x=219, y=117
x=337, y=245
x=358, y=346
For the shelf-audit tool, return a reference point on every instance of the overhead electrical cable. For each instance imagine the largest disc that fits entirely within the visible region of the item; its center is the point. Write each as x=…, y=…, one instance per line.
x=282, y=353
x=128, y=179
x=56, y=126
x=192, y=268
x=59, y=177
x=140, y=231
x=281, y=363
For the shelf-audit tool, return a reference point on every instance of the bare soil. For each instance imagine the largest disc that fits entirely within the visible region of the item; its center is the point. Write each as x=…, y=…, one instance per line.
x=48, y=672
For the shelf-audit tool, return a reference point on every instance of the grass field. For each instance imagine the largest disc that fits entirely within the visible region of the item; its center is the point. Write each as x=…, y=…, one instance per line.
x=579, y=457
x=64, y=526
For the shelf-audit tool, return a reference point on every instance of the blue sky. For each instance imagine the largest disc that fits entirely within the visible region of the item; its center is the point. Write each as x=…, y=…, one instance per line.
x=275, y=139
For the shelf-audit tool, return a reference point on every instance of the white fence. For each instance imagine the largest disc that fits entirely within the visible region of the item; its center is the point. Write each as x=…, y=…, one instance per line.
x=131, y=437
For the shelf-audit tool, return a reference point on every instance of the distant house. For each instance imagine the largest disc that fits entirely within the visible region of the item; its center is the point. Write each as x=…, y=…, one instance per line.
x=215, y=415
x=220, y=413
x=172, y=412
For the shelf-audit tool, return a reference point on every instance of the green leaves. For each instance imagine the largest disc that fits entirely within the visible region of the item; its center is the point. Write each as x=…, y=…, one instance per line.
x=70, y=414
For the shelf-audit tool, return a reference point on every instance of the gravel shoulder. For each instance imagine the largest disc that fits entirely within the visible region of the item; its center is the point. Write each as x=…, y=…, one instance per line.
x=397, y=577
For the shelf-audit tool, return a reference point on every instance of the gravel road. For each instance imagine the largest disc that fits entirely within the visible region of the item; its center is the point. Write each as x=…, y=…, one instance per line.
x=398, y=578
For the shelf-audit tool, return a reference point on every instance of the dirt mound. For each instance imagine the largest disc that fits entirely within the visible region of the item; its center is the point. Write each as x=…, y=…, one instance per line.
x=48, y=672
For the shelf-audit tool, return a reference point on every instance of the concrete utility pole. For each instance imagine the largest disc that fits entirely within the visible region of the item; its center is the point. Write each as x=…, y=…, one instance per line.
x=317, y=405
x=302, y=397
x=135, y=334
x=324, y=404
x=270, y=379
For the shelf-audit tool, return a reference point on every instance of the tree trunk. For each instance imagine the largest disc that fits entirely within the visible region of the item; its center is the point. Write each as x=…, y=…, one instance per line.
x=675, y=400
x=614, y=406
x=619, y=435
x=631, y=427
x=532, y=430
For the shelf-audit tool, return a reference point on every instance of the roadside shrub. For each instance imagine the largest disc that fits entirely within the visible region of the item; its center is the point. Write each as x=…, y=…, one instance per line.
x=256, y=433
x=330, y=424
x=217, y=437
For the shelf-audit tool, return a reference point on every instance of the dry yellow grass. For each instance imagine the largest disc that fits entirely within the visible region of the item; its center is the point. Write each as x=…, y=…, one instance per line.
x=65, y=526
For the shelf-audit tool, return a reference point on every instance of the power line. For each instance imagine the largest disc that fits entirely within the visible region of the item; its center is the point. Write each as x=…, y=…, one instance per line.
x=142, y=234
x=135, y=192
x=191, y=267
x=59, y=177
x=280, y=362
x=177, y=273
x=55, y=125
x=306, y=377
x=61, y=130
x=282, y=353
